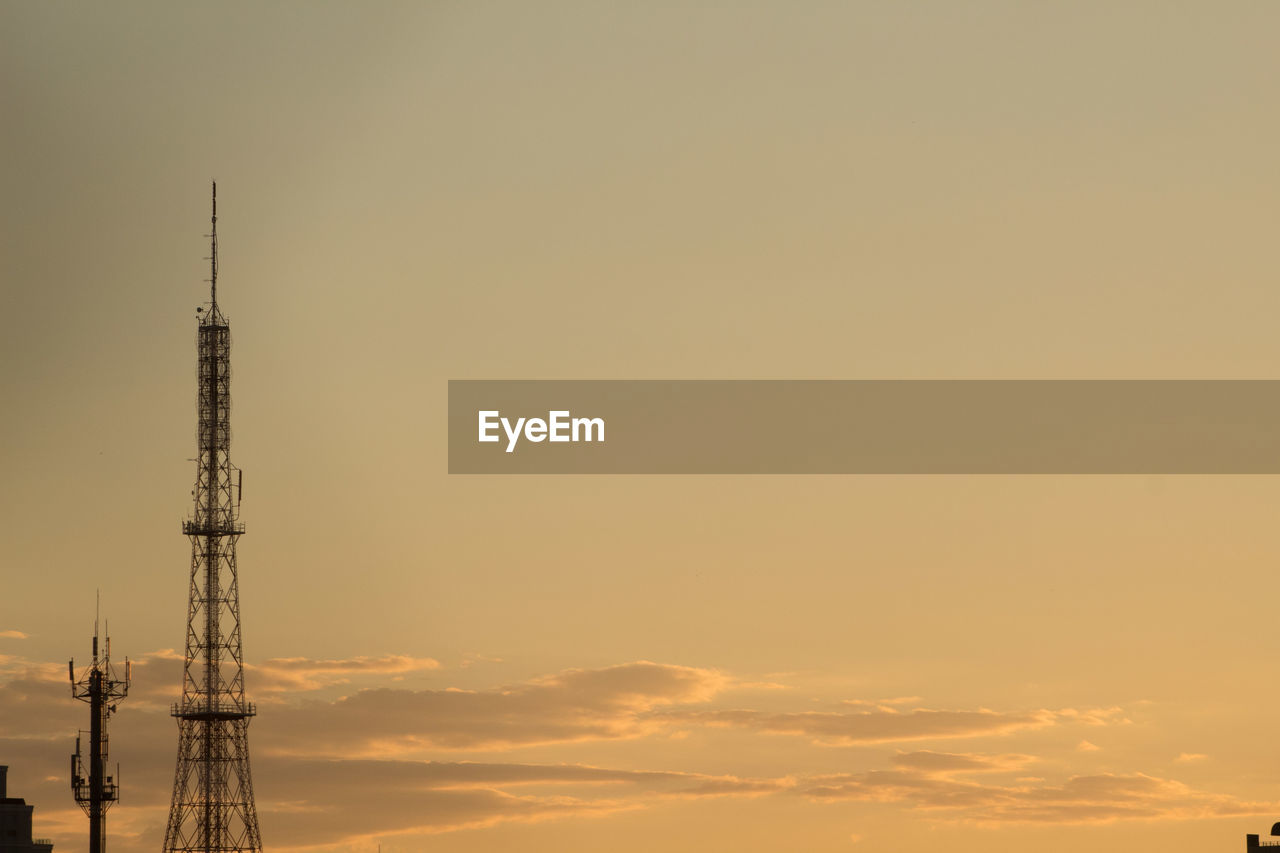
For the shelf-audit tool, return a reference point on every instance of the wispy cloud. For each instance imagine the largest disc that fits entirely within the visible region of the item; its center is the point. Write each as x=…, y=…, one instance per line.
x=885, y=724
x=281, y=675
x=13, y=635
x=157, y=675
x=332, y=772
x=1100, y=798
x=952, y=763
x=610, y=703
x=387, y=796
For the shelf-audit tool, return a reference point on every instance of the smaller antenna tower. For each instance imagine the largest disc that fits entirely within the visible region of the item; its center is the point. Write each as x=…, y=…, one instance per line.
x=94, y=790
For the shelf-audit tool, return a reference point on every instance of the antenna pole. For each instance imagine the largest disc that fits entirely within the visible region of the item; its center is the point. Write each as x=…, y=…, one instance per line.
x=213, y=252
x=94, y=790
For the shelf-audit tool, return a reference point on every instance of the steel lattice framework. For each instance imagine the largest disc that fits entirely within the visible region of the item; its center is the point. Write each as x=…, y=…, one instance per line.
x=212, y=807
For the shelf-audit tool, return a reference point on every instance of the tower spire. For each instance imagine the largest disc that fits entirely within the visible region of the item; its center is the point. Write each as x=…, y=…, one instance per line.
x=213, y=254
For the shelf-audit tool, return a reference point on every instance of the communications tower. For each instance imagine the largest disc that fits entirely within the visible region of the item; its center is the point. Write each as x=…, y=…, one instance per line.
x=212, y=807
x=94, y=790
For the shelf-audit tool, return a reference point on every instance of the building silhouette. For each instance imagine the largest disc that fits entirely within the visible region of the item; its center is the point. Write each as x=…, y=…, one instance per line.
x=1252, y=842
x=15, y=822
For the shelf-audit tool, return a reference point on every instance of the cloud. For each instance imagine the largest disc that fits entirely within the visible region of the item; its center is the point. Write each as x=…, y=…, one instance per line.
x=379, y=797
x=13, y=635
x=1100, y=798
x=386, y=663
x=608, y=703
x=157, y=676
x=1191, y=756
x=619, y=702
x=760, y=685
x=1086, y=746
x=950, y=763
x=881, y=703
x=886, y=724
x=35, y=699
x=472, y=659
x=289, y=675
x=304, y=803
x=576, y=705
x=336, y=772
x=310, y=801
x=307, y=802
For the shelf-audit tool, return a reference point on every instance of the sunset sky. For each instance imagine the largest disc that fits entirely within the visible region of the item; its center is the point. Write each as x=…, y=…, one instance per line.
x=416, y=192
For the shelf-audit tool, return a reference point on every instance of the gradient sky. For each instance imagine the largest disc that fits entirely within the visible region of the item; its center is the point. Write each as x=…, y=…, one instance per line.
x=416, y=192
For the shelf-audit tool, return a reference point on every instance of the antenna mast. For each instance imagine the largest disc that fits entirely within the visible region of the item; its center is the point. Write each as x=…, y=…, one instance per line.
x=94, y=790
x=213, y=252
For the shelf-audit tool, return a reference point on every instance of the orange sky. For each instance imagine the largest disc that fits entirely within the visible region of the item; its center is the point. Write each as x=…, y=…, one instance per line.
x=415, y=192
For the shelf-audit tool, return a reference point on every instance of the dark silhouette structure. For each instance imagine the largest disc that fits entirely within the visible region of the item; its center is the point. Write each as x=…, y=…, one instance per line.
x=94, y=790
x=212, y=807
x=1252, y=844
x=15, y=822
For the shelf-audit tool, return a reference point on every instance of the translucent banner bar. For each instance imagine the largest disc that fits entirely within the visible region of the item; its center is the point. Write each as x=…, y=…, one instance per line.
x=864, y=427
